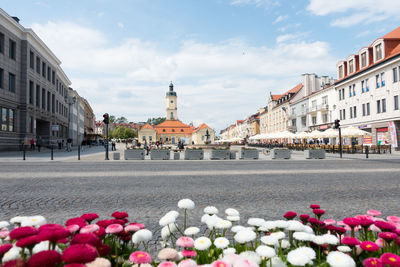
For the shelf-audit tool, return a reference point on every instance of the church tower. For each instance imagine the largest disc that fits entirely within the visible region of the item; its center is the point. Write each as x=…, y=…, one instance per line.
x=172, y=105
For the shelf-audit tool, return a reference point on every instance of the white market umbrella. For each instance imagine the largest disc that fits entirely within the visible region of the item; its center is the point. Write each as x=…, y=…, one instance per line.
x=354, y=132
x=330, y=133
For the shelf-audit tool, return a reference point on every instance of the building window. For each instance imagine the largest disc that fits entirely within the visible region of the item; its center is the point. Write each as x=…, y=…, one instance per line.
x=396, y=102
x=304, y=121
x=383, y=105
x=48, y=101
x=11, y=82
x=1, y=43
x=11, y=120
x=368, y=113
x=383, y=79
x=354, y=112
x=1, y=78
x=37, y=95
x=378, y=51
x=38, y=65
x=44, y=69
x=350, y=91
x=31, y=92
x=173, y=130
x=395, y=75
x=351, y=112
x=143, y=138
x=163, y=130
x=48, y=74
x=56, y=106
x=12, y=49
x=363, y=59
x=351, y=68
x=378, y=106
x=325, y=100
x=362, y=87
x=182, y=130
x=340, y=72
x=341, y=114
x=172, y=115
x=363, y=109
x=314, y=120
x=344, y=114
x=4, y=119
x=354, y=90
x=53, y=77
x=31, y=60
x=325, y=118
x=31, y=123
x=340, y=94
x=377, y=81
x=53, y=103
x=43, y=99
x=366, y=85
x=343, y=93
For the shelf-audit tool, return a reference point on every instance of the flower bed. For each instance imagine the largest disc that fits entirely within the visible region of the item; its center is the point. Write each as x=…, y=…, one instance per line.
x=362, y=240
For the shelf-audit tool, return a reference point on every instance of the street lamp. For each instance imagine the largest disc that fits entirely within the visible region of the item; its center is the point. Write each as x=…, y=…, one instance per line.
x=71, y=101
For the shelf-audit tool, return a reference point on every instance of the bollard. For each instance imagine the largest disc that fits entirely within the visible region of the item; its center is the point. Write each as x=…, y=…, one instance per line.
x=51, y=152
x=79, y=152
x=23, y=153
x=366, y=151
x=390, y=149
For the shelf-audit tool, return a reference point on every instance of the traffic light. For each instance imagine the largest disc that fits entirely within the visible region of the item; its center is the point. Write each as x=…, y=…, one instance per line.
x=106, y=118
x=337, y=125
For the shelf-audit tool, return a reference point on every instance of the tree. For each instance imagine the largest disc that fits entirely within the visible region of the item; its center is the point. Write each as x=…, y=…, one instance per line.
x=123, y=133
x=121, y=120
x=156, y=121
x=112, y=119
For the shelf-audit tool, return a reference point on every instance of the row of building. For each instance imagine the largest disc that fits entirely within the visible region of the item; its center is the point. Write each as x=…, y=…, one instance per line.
x=365, y=95
x=36, y=98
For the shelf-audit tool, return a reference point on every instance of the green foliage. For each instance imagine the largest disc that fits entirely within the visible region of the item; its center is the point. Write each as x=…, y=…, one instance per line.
x=112, y=119
x=156, y=121
x=123, y=133
x=121, y=120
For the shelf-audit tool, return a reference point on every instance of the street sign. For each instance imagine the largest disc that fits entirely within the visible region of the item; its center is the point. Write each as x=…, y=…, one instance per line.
x=55, y=128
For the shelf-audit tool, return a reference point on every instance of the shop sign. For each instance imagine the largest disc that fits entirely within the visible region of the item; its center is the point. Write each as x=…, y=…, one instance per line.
x=385, y=129
x=367, y=140
x=323, y=127
x=55, y=128
x=364, y=126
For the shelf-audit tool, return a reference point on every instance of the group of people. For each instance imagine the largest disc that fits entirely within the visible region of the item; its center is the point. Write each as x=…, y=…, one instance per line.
x=60, y=142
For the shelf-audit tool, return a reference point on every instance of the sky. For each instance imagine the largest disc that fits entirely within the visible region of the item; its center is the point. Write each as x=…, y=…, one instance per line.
x=224, y=57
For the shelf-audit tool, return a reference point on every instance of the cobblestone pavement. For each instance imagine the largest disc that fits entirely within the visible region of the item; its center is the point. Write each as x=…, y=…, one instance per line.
x=148, y=189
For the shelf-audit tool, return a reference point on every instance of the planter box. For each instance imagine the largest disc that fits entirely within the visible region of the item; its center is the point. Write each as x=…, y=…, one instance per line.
x=232, y=154
x=249, y=154
x=162, y=154
x=314, y=154
x=116, y=156
x=177, y=155
x=193, y=154
x=136, y=154
x=280, y=153
x=220, y=154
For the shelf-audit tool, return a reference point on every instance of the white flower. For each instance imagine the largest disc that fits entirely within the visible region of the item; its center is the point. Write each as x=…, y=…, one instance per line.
x=4, y=224
x=301, y=256
x=172, y=213
x=212, y=221
x=281, y=224
x=13, y=254
x=223, y=224
x=278, y=235
x=295, y=226
x=232, y=212
x=269, y=240
x=233, y=218
x=34, y=221
x=18, y=219
x=245, y=236
x=166, y=220
x=340, y=259
x=202, y=243
x=267, y=226
x=192, y=231
x=277, y=262
x=237, y=228
x=265, y=251
x=229, y=251
x=285, y=244
x=301, y=236
x=251, y=256
x=211, y=210
x=205, y=218
x=255, y=222
x=42, y=246
x=307, y=229
x=344, y=249
x=319, y=240
x=142, y=235
x=221, y=242
x=100, y=262
x=186, y=204
x=331, y=239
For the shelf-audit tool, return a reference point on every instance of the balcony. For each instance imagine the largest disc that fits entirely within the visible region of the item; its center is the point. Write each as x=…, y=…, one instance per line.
x=292, y=129
x=317, y=108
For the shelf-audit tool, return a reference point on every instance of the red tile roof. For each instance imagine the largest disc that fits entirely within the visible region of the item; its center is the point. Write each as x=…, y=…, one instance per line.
x=147, y=126
x=202, y=126
x=173, y=126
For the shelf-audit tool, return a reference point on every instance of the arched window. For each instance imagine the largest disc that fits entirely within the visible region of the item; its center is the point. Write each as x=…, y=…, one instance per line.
x=172, y=115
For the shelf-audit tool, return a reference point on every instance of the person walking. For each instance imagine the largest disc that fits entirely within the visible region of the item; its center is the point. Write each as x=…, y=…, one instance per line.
x=33, y=144
x=113, y=145
x=59, y=144
x=39, y=143
x=69, y=144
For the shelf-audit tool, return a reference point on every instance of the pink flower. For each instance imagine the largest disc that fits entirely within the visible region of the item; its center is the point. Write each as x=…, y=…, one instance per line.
x=80, y=253
x=78, y=221
x=47, y=258
x=220, y=264
x=4, y=233
x=350, y=241
x=374, y=213
x=114, y=229
x=390, y=259
x=244, y=263
x=140, y=257
x=167, y=264
x=373, y=262
x=329, y=221
x=134, y=227
x=352, y=222
x=385, y=226
x=168, y=254
x=89, y=228
x=369, y=246
x=388, y=236
x=185, y=242
x=189, y=253
x=379, y=242
x=88, y=238
x=72, y=228
x=22, y=232
x=318, y=212
x=393, y=219
x=119, y=215
x=314, y=206
x=187, y=263
x=290, y=215
x=90, y=217
x=231, y=258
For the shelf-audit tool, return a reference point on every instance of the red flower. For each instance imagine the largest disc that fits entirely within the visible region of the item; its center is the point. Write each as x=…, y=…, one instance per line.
x=87, y=238
x=63, y=241
x=290, y=215
x=315, y=221
x=4, y=248
x=77, y=220
x=29, y=241
x=352, y=222
x=369, y=246
x=385, y=226
x=119, y=215
x=318, y=212
x=15, y=263
x=79, y=253
x=118, y=221
x=53, y=234
x=22, y=232
x=315, y=206
x=304, y=218
x=75, y=265
x=104, y=223
x=373, y=262
x=388, y=236
x=350, y=241
x=390, y=259
x=90, y=217
x=101, y=232
x=48, y=258
x=104, y=250
x=189, y=253
x=50, y=226
x=340, y=230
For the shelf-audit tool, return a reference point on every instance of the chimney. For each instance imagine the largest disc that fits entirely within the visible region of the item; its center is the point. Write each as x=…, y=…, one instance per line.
x=313, y=83
x=16, y=19
x=306, y=84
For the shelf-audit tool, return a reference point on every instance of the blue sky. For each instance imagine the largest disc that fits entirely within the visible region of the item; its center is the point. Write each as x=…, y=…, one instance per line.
x=224, y=56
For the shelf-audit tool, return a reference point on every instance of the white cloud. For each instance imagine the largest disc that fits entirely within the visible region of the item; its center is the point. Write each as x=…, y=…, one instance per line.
x=120, y=25
x=216, y=83
x=280, y=18
x=291, y=36
x=257, y=3
x=363, y=11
